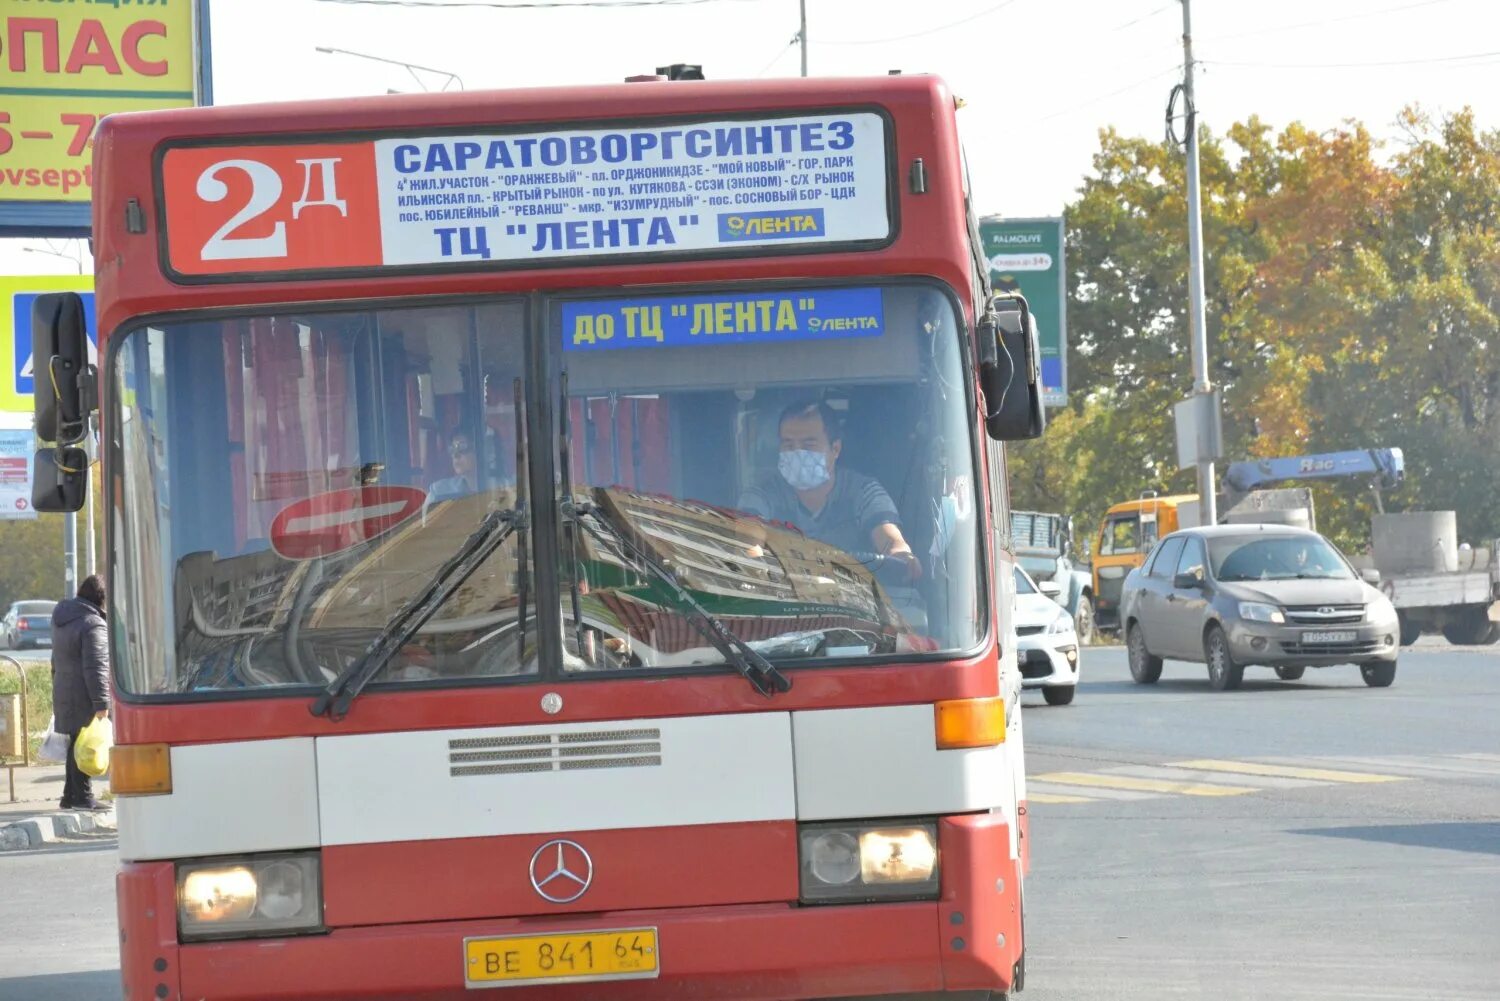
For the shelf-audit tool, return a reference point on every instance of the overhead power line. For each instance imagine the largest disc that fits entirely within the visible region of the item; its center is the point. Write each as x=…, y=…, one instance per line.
x=919, y=34
x=1275, y=29
x=1146, y=17
x=1362, y=65
x=779, y=54
x=1114, y=93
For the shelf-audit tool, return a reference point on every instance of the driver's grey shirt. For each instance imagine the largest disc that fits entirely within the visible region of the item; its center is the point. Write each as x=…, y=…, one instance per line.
x=857, y=506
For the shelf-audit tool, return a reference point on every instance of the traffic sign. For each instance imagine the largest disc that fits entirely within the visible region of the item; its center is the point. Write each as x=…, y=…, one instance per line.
x=17, y=366
x=1028, y=256
x=329, y=523
x=16, y=448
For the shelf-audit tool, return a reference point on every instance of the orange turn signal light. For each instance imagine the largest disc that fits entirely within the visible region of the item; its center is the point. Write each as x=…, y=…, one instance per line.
x=970, y=723
x=140, y=769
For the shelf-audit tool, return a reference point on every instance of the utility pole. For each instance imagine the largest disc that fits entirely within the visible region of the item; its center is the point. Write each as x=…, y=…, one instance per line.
x=88, y=475
x=1197, y=324
x=70, y=554
x=802, y=35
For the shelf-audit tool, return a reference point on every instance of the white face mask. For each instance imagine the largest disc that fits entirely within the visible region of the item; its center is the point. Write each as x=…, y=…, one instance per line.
x=803, y=469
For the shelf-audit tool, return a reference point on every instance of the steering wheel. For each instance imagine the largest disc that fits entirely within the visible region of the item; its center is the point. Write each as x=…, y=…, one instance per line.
x=890, y=570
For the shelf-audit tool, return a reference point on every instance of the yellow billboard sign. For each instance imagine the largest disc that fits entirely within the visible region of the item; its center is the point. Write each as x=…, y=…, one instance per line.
x=65, y=64
x=17, y=366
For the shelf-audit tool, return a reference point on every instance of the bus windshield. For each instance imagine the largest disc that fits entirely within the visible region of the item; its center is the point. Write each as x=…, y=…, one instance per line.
x=801, y=464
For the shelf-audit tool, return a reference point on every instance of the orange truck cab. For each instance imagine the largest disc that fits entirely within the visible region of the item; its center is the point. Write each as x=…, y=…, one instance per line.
x=1126, y=535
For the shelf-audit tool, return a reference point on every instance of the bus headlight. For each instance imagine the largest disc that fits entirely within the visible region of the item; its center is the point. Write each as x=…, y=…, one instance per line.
x=876, y=861
x=241, y=898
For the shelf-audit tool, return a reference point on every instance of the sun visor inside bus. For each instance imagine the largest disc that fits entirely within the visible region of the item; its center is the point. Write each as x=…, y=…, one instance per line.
x=891, y=355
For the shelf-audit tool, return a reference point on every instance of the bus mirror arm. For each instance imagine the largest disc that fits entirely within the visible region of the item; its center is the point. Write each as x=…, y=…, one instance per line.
x=1010, y=370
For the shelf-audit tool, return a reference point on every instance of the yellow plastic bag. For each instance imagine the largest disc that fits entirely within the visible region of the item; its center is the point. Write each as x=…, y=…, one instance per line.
x=91, y=751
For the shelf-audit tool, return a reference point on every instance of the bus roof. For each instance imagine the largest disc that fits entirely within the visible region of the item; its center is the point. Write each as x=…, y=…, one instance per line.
x=928, y=229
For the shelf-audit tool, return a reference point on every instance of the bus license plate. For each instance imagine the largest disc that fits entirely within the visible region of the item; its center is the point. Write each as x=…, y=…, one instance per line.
x=513, y=960
x=1329, y=636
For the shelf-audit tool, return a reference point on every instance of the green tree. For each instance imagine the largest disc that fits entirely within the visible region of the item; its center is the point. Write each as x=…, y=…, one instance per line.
x=1352, y=297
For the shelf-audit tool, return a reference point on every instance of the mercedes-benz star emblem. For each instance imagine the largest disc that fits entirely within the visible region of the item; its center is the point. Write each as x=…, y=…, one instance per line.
x=561, y=871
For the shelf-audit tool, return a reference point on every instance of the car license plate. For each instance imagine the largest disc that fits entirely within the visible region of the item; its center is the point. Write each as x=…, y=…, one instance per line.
x=513, y=960
x=1329, y=636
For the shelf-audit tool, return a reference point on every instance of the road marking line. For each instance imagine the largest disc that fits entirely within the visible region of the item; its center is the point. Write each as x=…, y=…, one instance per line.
x=1142, y=785
x=1287, y=771
x=1202, y=775
x=1046, y=797
x=1480, y=756
x=1429, y=766
x=1065, y=790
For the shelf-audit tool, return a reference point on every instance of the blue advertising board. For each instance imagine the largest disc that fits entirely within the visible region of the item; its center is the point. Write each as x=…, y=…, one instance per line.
x=748, y=318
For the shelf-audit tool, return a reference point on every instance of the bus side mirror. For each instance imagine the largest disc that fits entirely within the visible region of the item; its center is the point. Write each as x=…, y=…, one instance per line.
x=59, y=482
x=1010, y=370
x=64, y=380
x=63, y=396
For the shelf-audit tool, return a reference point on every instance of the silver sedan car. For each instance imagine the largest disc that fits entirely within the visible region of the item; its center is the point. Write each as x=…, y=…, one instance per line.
x=1232, y=596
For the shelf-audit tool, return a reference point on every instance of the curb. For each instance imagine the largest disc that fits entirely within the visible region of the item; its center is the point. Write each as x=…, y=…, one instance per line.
x=32, y=832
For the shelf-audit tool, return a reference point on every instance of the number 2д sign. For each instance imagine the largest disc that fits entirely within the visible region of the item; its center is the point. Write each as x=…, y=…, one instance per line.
x=737, y=187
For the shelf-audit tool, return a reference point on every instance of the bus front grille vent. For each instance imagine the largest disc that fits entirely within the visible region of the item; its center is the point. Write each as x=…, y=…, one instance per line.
x=554, y=752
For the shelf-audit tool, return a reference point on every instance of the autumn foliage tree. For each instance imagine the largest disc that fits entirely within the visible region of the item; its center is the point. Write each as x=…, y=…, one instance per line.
x=1353, y=301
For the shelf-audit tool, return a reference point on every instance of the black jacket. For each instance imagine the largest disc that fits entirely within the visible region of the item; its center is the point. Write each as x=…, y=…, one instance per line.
x=80, y=663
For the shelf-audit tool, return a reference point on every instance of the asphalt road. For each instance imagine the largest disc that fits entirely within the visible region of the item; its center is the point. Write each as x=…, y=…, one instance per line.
x=1362, y=859
x=29, y=654
x=1328, y=841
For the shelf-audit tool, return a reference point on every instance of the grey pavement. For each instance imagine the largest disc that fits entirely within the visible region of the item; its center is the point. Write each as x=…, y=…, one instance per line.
x=1375, y=875
x=57, y=923
x=1355, y=853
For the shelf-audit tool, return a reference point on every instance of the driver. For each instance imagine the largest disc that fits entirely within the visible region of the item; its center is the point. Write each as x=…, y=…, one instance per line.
x=465, y=470
x=827, y=502
x=1309, y=559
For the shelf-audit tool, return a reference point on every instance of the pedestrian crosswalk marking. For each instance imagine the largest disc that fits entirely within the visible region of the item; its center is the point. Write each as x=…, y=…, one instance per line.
x=1111, y=781
x=1287, y=771
x=1048, y=789
x=1426, y=767
x=1047, y=797
x=1179, y=773
x=1213, y=777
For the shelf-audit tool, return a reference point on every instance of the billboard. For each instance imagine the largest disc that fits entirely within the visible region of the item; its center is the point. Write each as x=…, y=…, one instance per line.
x=17, y=366
x=66, y=66
x=16, y=450
x=1027, y=255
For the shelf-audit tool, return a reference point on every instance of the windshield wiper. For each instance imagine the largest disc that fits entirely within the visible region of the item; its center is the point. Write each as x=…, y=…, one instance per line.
x=492, y=532
x=598, y=522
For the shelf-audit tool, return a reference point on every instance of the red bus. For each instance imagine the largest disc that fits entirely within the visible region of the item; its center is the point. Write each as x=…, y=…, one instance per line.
x=557, y=542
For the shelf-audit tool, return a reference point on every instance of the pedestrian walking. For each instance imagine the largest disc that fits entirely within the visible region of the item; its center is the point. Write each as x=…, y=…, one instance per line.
x=80, y=680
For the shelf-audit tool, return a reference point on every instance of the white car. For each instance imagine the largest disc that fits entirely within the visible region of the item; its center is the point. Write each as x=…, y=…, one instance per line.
x=1046, y=642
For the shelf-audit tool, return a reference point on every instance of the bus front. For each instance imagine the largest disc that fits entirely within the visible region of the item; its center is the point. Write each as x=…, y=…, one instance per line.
x=552, y=548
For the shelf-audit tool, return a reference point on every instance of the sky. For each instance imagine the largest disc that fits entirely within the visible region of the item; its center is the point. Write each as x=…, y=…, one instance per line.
x=1040, y=78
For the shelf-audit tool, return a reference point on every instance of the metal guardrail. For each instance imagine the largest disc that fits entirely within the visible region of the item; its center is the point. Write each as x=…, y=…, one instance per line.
x=10, y=770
